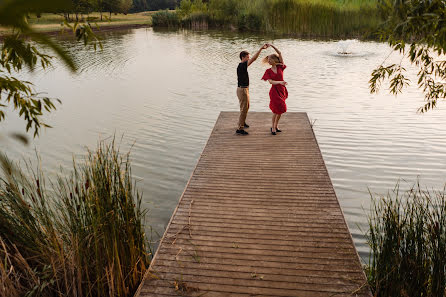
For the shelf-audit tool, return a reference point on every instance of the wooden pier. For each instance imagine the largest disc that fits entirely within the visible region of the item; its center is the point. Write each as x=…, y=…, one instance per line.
x=259, y=217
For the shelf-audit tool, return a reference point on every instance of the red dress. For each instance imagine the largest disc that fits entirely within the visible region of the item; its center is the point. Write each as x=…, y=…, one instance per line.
x=278, y=93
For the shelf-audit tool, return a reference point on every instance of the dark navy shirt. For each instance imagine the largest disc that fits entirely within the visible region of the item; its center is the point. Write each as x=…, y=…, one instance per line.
x=242, y=74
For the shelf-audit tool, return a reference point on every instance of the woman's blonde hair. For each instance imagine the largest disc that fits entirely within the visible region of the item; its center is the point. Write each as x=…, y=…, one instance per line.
x=274, y=57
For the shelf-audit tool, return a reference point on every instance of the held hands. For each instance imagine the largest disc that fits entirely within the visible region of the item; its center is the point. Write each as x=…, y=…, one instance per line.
x=283, y=83
x=267, y=45
x=275, y=48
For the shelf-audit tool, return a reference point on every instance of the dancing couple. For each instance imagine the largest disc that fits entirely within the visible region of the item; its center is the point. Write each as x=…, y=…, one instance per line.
x=277, y=94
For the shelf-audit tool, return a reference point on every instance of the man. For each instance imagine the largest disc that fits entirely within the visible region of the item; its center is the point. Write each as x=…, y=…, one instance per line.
x=243, y=87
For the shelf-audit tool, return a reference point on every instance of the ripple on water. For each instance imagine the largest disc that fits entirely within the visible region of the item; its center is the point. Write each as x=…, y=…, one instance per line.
x=163, y=91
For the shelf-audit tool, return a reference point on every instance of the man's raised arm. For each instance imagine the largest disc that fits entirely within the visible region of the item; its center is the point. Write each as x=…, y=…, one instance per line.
x=256, y=55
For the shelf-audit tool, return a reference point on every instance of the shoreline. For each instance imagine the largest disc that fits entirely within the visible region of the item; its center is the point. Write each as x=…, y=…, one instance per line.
x=117, y=27
x=102, y=29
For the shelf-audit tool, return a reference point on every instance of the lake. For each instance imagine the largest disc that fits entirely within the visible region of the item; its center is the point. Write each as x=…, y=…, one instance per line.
x=160, y=93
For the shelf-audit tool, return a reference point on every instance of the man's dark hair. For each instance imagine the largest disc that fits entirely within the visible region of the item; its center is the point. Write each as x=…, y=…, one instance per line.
x=243, y=54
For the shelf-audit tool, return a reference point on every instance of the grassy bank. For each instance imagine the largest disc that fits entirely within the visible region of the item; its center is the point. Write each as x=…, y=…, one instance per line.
x=49, y=22
x=407, y=238
x=80, y=235
x=308, y=18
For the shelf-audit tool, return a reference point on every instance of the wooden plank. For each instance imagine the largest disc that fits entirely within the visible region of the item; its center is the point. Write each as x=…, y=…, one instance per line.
x=258, y=217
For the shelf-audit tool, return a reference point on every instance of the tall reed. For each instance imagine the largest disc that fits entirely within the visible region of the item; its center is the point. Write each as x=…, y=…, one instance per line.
x=312, y=18
x=322, y=18
x=81, y=235
x=407, y=237
x=165, y=18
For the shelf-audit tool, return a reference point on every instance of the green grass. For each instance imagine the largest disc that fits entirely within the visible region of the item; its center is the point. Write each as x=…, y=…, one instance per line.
x=407, y=237
x=80, y=235
x=49, y=22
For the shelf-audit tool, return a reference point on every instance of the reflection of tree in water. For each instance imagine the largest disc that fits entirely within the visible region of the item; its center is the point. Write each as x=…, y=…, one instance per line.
x=218, y=35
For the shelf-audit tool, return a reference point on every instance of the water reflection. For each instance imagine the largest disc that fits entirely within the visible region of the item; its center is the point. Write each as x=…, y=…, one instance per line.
x=163, y=91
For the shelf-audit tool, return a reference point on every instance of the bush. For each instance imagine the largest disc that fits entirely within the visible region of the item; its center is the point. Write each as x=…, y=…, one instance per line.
x=196, y=20
x=249, y=21
x=165, y=18
x=82, y=236
x=407, y=237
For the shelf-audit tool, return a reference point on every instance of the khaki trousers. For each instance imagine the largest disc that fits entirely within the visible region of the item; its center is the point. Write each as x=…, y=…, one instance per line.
x=243, y=98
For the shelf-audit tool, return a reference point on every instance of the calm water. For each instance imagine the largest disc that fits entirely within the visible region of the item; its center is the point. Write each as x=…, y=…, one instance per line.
x=164, y=90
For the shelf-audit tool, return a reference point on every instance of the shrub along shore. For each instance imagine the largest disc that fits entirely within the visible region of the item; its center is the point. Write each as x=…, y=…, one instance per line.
x=407, y=238
x=76, y=235
x=303, y=18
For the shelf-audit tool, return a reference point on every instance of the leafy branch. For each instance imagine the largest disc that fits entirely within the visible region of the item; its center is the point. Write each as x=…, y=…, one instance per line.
x=417, y=30
x=21, y=48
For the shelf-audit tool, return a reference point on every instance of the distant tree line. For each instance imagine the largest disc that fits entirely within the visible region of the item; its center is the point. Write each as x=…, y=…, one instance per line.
x=84, y=7
x=77, y=8
x=143, y=5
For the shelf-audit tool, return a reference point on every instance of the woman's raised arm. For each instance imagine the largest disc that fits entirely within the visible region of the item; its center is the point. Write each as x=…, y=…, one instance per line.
x=278, y=52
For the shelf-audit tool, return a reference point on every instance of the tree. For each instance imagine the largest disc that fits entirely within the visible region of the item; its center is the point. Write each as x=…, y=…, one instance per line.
x=125, y=6
x=140, y=5
x=112, y=6
x=143, y=5
x=417, y=30
x=100, y=6
x=81, y=6
x=22, y=48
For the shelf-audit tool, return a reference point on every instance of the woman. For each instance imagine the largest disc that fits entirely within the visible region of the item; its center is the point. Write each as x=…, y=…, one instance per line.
x=278, y=93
